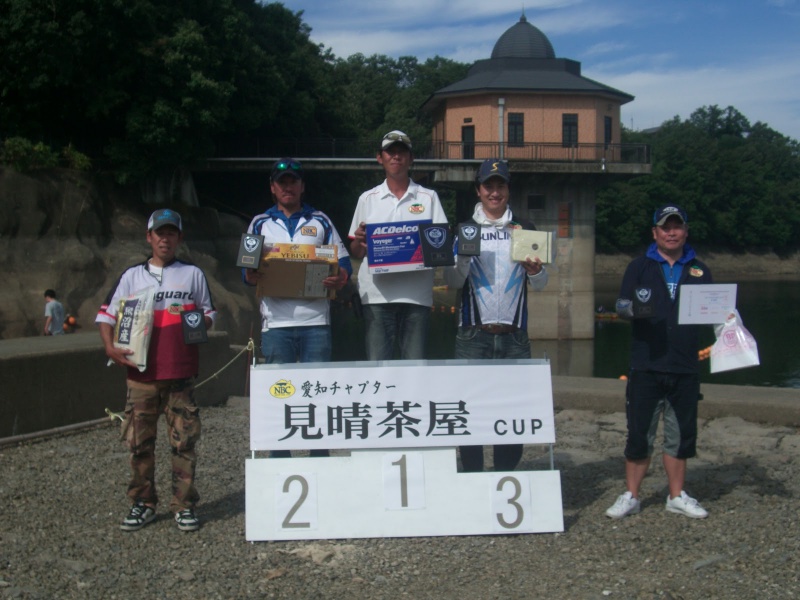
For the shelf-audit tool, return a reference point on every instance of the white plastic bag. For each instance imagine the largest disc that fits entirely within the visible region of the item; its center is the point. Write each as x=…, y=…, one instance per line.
x=135, y=325
x=735, y=347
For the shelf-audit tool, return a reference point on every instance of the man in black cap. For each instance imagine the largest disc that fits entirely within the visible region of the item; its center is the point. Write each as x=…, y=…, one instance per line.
x=663, y=376
x=296, y=329
x=493, y=311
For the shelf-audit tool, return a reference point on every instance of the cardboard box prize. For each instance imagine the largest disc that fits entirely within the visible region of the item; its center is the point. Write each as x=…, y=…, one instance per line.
x=296, y=270
x=394, y=247
x=526, y=243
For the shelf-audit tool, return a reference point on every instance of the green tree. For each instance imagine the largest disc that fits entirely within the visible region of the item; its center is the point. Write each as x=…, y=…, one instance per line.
x=738, y=182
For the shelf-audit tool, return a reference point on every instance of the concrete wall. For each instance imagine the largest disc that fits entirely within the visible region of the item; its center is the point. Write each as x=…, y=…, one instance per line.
x=49, y=382
x=565, y=308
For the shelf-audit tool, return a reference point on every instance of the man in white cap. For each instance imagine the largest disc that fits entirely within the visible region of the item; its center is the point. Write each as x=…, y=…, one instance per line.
x=397, y=306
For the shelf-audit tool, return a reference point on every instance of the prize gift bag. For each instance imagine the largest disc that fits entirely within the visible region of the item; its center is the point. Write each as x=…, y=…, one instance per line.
x=735, y=347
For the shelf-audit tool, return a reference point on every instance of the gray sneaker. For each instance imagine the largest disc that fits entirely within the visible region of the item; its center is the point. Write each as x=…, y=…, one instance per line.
x=186, y=520
x=686, y=505
x=625, y=505
x=140, y=515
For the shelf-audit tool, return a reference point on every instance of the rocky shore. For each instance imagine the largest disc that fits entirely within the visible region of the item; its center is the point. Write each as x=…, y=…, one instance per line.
x=61, y=500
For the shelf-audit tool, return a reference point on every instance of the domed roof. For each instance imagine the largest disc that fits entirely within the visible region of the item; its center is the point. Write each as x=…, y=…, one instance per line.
x=523, y=40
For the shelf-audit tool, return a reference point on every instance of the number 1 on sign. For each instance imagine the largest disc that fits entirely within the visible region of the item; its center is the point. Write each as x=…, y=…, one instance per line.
x=403, y=481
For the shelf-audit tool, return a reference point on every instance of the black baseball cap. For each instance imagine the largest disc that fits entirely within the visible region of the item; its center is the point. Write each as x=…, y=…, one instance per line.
x=286, y=166
x=493, y=167
x=669, y=210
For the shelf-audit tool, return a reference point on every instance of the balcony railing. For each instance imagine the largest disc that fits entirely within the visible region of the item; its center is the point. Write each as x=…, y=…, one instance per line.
x=436, y=149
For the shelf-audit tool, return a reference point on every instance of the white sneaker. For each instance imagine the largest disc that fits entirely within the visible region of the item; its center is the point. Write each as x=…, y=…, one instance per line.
x=686, y=505
x=625, y=505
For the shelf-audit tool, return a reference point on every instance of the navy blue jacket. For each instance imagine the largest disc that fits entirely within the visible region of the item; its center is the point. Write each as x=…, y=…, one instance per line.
x=659, y=343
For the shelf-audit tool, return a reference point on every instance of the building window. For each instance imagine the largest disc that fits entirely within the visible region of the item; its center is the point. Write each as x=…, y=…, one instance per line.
x=607, y=134
x=536, y=202
x=569, y=130
x=516, y=129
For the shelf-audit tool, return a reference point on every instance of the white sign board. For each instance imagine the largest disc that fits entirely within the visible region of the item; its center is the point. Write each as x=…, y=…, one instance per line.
x=397, y=493
x=400, y=404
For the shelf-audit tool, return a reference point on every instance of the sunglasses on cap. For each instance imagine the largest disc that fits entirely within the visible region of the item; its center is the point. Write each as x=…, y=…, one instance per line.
x=287, y=165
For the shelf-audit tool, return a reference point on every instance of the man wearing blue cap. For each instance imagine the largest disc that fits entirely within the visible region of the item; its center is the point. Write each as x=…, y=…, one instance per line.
x=663, y=377
x=493, y=313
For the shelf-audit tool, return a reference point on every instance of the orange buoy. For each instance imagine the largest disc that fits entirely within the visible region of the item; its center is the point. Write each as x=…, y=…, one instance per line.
x=623, y=377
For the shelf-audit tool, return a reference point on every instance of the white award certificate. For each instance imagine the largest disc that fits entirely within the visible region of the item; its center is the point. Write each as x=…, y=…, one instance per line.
x=706, y=304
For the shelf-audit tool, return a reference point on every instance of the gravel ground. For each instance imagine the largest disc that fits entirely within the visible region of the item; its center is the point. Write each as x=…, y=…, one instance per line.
x=61, y=501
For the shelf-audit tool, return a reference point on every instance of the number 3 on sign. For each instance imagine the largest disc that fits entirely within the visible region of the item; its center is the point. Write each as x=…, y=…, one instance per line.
x=403, y=481
x=511, y=502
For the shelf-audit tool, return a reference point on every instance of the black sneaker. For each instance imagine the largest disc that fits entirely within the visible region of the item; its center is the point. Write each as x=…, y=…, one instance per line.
x=140, y=515
x=186, y=520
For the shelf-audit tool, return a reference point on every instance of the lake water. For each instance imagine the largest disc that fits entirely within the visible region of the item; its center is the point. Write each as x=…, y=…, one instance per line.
x=769, y=309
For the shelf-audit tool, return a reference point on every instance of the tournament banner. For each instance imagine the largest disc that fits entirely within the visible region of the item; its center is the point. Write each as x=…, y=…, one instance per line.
x=393, y=404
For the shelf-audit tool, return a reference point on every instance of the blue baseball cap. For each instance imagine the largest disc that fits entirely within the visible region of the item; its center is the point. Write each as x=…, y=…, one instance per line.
x=493, y=167
x=670, y=210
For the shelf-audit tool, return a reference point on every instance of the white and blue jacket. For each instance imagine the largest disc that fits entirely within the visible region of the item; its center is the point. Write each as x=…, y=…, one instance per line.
x=307, y=226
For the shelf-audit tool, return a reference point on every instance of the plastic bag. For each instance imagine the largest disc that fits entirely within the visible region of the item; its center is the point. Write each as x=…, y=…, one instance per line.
x=735, y=347
x=135, y=325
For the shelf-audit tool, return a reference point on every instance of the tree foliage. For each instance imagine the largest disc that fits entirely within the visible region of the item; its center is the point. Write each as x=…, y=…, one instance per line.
x=143, y=87
x=740, y=184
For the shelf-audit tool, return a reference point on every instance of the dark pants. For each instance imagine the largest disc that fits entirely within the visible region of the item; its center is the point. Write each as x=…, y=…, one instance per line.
x=472, y=342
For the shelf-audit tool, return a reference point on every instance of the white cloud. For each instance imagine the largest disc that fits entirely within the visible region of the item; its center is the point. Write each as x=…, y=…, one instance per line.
x=758, y=91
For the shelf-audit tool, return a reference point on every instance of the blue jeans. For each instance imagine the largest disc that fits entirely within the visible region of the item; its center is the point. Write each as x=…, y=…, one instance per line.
x=296, y=344
x=472, y=342
x=399, y=321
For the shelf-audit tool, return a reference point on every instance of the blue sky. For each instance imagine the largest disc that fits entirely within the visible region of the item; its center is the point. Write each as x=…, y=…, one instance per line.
x=673, y=56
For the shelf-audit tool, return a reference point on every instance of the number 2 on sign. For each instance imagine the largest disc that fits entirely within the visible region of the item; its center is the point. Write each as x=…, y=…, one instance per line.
x=296, y=501
x=403, y=481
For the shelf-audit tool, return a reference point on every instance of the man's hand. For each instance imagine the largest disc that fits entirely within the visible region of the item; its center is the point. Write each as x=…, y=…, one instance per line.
x=533, y=266
x=358, y=245
x=119, y=356
x=336, y=281
x=252, y=276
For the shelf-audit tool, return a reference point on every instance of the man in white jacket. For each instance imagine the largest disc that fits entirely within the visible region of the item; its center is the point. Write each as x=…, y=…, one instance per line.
x=493, y=315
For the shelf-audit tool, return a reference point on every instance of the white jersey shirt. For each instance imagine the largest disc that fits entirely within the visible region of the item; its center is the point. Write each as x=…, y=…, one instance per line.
x=379, y=205
x=313, y=227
